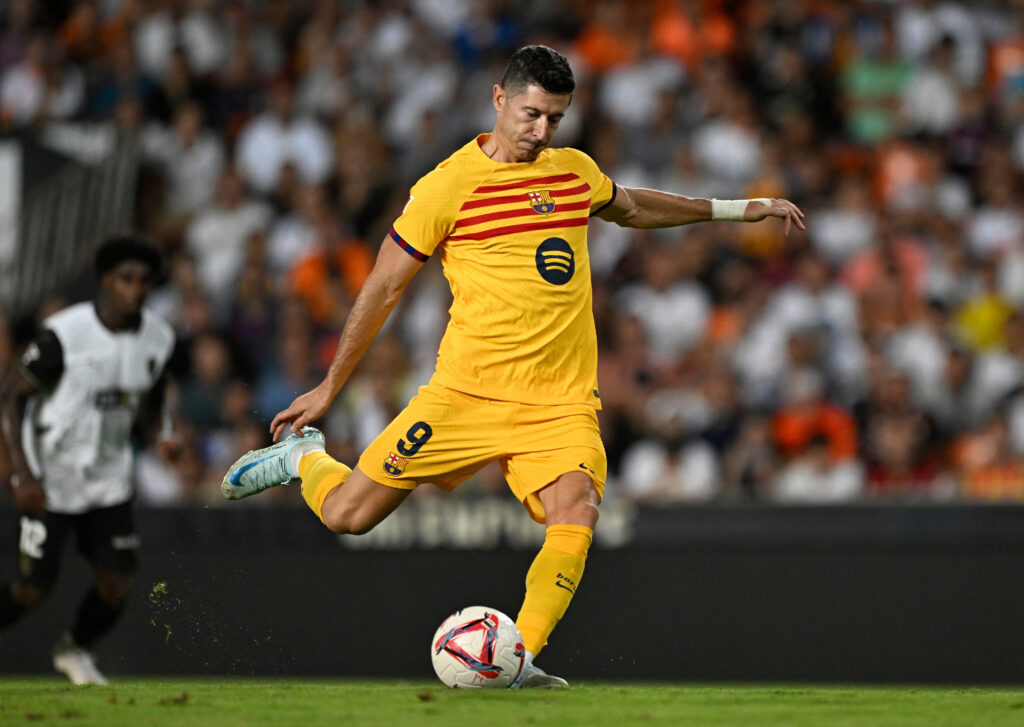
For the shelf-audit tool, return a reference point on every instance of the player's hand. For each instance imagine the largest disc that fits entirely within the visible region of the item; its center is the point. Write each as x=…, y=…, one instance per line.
x=305, y=409
x=791, y=214
x=28, y=493
x=169, y=448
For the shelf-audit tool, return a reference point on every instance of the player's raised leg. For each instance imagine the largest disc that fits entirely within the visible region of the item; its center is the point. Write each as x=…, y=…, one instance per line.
x=570, y=505
x=345, y=500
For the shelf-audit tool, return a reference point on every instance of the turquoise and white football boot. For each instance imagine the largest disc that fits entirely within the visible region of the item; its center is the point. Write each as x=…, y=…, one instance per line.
x=271, y=466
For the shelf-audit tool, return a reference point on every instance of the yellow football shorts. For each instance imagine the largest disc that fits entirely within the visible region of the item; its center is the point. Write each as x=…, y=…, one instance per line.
x=445, y=436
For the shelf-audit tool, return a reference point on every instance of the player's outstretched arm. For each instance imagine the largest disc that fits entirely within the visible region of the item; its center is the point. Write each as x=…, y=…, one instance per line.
x=391, y=273
x=651, y=208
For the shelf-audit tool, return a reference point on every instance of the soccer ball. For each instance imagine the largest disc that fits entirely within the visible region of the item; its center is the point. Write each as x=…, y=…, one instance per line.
x=477, y=647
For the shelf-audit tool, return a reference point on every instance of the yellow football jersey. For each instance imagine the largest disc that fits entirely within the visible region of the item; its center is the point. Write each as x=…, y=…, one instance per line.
x=513, y=245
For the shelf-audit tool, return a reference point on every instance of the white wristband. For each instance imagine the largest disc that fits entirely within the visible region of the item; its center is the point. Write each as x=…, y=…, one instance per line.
x=732, y=209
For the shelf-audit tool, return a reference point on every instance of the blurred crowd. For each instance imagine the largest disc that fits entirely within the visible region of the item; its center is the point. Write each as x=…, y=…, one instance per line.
x=879, y=356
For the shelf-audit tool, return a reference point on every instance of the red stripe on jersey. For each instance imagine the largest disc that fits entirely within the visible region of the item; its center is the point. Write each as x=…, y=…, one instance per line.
x=490, y=202
x=518, y=212
x=529, y=226
x=557, y=179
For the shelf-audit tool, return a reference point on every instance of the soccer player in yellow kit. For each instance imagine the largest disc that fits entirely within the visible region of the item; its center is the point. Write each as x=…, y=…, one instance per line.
x=516, y=377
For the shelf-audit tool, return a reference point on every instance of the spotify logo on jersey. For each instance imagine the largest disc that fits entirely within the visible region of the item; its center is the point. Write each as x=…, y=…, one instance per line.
x=555, y=261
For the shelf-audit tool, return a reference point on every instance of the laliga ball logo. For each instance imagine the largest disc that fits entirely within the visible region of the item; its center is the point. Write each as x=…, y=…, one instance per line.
x=477, y=647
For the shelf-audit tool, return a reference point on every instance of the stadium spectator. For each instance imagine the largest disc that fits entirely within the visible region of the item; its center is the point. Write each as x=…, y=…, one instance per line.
x=673, y=309
x=989, y=468
x=654, y=471
x=807, y=416
x=727, y=145
x=248, y=35
x=252, y=310
x=996, y=227
x=610, y=38
x=118, y=79
x=40, y=87
x=685, y=431
x=201, y=34
x=931, y=99
x=919, y=350
x=294, y=373
x=279, y=137
x=219, y=233
x=738, y=293
x=190, y=157
x=329, y=279
x=632, y=94
x=303, y=231
x=750, y=464
x=813, y=476
x=205, y=388
x=898, y=441
x=847, y=225
x=980, y=323
x=16, y=31
x=872, y=83
x=365, y=186
x=81, y=34
x=811, y=303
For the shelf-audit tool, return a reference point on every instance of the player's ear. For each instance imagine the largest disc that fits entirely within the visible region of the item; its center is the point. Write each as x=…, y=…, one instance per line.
x=499, y=97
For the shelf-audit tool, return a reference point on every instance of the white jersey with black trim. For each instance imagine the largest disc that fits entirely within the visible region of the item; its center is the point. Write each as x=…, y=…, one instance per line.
x=77, y=437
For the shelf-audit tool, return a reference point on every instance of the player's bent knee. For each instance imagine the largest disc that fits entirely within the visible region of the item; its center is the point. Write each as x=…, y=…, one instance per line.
x=359, y=505
x=349, y=520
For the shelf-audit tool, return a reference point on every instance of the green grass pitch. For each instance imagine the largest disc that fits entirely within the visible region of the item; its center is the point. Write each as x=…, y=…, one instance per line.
x=209, y=701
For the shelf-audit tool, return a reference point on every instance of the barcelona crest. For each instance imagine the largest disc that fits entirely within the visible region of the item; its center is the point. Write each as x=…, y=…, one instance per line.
x=542, y=203
x=395, y=465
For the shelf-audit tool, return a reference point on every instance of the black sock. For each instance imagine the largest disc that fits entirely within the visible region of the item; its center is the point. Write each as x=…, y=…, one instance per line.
x=95, y=617
x=10, y=610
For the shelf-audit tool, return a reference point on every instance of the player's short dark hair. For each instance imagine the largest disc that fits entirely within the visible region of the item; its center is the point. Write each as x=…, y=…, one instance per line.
x=115, y=249
x=541, y=65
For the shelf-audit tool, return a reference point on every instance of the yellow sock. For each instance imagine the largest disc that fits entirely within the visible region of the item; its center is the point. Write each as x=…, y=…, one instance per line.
x=320, y=474
x=551, y=582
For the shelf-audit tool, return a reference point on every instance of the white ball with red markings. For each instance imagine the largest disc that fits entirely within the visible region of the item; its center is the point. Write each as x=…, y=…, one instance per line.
x=477, y=647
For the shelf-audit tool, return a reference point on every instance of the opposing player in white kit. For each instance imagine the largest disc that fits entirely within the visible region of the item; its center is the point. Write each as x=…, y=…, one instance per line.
x=93, y=374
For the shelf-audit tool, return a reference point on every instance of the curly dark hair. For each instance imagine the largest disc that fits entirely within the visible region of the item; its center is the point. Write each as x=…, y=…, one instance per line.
x=127, y=246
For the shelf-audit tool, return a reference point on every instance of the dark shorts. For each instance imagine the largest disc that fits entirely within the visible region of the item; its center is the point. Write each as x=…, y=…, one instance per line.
x=105, y=537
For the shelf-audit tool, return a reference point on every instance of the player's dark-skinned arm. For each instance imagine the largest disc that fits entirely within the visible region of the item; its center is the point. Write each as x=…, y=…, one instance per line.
x=391, y=272
x=651, y=208
x=155, y=423
x=26, y=490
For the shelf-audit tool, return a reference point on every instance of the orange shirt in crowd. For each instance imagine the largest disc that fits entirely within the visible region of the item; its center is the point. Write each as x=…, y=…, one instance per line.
x=348, y=262
x=676, y=34
x=793, y=429
x=997, y=481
